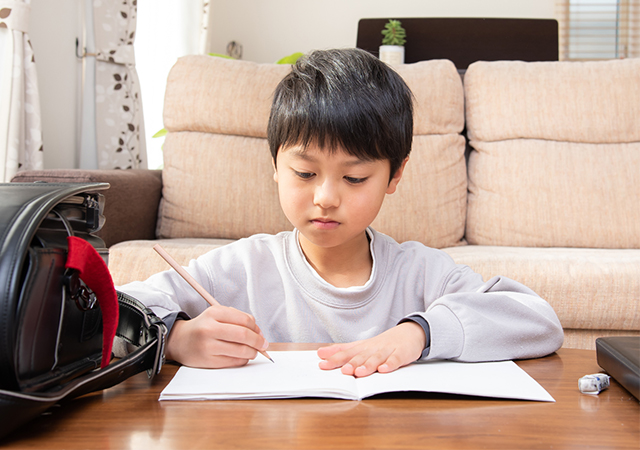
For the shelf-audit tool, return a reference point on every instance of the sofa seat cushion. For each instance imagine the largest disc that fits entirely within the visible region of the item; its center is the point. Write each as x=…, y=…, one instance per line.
x=136, y=260
x=593, y=289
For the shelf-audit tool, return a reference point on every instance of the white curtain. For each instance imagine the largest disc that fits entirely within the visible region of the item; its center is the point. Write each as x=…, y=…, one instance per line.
x=166, y=30
x=112, y=130
x=20, y=125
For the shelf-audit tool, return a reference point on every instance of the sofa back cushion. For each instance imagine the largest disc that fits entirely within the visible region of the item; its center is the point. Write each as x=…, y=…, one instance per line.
x=556, y=153
x=218, y=176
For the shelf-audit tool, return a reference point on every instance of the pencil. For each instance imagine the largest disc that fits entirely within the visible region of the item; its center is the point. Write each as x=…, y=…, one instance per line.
x=194, y=284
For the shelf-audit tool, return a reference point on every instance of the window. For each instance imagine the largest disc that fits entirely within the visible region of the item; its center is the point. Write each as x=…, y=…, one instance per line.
x=599, y=29
x=166, y=30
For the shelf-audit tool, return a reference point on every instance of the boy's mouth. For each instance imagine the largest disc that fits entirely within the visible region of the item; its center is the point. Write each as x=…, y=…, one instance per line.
x=325, y=224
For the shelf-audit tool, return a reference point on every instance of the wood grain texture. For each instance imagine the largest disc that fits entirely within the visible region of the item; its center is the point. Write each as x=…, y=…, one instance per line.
x=130, y=416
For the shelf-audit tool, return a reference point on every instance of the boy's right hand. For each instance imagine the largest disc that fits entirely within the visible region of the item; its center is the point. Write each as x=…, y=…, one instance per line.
x=219, y=337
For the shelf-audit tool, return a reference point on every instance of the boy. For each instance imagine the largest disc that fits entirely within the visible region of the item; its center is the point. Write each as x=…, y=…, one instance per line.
x=340, y=134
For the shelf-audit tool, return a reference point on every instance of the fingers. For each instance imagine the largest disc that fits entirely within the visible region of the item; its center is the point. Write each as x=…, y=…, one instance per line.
x=392, y=363
x=384, y=353
x=329, y=351
x=357, y=359
x=218, y=354
x=224, y=314
x=338, y=355
x=367, y=362
x=218, y=337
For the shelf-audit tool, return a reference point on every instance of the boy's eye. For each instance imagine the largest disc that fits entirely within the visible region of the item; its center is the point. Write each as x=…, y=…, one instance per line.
x=303, y=175
x=353, y=180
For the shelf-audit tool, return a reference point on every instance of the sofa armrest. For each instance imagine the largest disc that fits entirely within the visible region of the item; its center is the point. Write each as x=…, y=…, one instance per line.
x=131, y=203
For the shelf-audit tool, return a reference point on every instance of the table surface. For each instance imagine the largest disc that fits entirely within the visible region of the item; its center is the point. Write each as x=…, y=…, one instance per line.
x=130, y=416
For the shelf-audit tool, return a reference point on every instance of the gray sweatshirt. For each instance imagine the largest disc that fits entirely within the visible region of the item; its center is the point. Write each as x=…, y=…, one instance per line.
x=269, y=277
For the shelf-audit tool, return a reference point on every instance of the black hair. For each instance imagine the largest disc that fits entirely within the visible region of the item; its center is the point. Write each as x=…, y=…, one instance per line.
x=347, y=98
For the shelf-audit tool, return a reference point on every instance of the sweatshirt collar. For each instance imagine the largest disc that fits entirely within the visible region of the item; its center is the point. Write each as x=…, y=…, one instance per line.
x=322, y=291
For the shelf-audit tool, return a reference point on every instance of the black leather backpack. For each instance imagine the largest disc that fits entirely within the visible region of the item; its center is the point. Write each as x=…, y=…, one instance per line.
x=52, y=337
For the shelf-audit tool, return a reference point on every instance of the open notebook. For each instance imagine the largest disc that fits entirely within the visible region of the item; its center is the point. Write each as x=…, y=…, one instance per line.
x=296, y=374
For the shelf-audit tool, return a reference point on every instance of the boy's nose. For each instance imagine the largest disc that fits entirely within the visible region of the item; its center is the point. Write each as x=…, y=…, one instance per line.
x=326, y=195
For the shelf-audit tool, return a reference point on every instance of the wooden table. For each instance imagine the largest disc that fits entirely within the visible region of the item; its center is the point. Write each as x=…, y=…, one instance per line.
x=130, y=416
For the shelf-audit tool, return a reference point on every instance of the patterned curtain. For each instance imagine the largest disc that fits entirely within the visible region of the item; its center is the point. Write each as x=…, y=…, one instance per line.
x=113, y=92
x=203, y=47
x=20, y=125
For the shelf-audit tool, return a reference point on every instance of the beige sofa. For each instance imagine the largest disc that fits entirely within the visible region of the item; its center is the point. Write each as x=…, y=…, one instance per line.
x=549, y=193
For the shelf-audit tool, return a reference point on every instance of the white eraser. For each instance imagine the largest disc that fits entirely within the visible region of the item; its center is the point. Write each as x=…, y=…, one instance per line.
x=594, y=383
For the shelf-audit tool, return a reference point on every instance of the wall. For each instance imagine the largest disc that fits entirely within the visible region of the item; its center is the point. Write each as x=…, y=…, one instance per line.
x=271, y=29
x=267, y=29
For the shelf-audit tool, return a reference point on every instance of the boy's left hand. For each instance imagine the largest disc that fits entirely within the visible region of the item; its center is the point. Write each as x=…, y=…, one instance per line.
x=396, y=347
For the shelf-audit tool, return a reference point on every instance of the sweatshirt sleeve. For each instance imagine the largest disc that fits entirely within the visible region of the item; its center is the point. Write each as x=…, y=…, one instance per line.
x=168, y=293
x=497, y=320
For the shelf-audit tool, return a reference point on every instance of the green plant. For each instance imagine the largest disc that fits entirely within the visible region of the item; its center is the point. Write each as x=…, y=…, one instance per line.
x=291, y=59
x=160, y=133
x=393, y=33
x=220, y=55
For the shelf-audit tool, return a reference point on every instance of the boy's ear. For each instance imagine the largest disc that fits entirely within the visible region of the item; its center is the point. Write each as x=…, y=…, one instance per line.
x=393, y=184
x=275, y=170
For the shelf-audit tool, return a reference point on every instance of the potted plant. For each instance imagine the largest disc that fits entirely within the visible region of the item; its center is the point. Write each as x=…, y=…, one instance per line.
x=392, y=48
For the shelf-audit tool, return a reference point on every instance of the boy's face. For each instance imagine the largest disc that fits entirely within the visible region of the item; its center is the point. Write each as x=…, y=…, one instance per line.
x=331, y=197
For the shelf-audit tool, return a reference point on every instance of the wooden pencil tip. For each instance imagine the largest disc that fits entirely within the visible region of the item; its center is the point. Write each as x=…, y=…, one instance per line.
x=266, y=355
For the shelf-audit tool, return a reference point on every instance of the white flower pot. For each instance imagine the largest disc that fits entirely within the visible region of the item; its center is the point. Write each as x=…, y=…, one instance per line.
x=392, y=54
